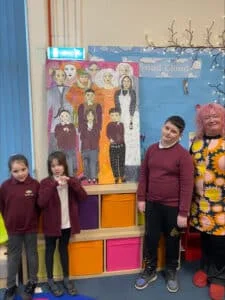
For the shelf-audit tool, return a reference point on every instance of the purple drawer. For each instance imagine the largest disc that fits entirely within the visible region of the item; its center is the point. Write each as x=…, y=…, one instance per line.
x=88, y=211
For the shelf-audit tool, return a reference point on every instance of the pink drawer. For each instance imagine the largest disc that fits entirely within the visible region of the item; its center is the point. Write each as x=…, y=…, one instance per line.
x=123, y=254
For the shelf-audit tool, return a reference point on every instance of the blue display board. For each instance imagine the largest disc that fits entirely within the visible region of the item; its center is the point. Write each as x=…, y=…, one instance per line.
x=172, y=82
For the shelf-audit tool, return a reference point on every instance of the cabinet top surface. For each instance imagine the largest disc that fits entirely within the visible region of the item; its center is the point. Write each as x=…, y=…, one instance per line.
x=111, y=188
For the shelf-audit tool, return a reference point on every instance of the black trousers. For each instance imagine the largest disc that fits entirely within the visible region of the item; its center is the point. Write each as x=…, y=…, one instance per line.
x=213, y=257
x=161, y=219
x=117, y=159
x=50, y=246
x=15, y=246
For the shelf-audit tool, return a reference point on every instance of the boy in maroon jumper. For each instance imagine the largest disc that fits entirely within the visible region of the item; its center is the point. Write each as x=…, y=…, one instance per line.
x=115, y=134
x=18, y=205
x=164, y=193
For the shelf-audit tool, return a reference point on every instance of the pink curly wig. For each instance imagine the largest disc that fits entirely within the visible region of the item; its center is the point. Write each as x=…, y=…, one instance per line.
x=202, y=111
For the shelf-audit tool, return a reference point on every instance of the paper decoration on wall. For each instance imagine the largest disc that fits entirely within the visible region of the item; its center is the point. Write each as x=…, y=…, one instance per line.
x=185, y=86
x=93, y=117
x=168, y=67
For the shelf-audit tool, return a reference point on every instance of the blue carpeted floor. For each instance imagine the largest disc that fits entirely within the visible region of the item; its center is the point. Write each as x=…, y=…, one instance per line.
x=122, y=288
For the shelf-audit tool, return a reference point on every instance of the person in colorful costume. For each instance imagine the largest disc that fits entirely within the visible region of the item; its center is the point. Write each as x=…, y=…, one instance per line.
x=208, y=206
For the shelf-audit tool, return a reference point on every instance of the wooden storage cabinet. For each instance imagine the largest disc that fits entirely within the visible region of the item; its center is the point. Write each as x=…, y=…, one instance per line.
x=110, y=232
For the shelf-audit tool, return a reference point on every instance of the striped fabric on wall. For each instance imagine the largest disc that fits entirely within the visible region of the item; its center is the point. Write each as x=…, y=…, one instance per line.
x=15, y=125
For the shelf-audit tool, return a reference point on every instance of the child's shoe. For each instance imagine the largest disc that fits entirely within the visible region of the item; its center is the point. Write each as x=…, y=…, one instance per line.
x=216, y=291
x=10, y=293
x=200, y=279
x=70, y=287
x=172, y=283
x=54, y=288
x=28, y=291
x=95, y=181
x=147, y=276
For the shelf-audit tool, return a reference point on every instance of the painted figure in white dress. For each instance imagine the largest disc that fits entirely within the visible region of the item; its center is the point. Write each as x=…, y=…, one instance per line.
x=126, y=102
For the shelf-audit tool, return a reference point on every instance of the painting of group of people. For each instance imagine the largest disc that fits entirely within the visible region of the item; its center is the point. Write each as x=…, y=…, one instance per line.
x=93, y=117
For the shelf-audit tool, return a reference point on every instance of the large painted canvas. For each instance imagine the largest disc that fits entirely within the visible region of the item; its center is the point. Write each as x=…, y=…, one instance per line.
x=93, y=116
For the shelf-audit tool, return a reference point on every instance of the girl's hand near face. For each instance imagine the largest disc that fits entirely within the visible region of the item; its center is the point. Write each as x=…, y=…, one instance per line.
x=62, y=180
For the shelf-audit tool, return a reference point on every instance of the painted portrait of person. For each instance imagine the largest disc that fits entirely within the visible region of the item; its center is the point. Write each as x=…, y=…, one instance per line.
x=126, y=103
x=107, y=80
x=89, y=135
x=93, y=69
x=56, y=100
x=71, y=72
x=124, y=69
x=66, y=137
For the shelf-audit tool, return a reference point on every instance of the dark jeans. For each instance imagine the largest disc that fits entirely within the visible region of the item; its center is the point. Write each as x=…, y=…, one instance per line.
x=50, y=246
x=15, y=245
x=161, y=219
x=90, y=163
x=213, y=257
x=71, y=161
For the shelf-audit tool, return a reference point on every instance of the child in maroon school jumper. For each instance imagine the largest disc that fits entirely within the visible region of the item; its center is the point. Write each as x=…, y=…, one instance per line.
x=18, y=205
x=58, y=197
x=164, y=193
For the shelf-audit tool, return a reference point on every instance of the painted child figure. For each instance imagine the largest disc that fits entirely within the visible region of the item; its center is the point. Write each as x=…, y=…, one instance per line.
x=58, y=197
x=18, y=205
x=56, y=100
x=117, y=148
x=65, y=134
x=89, y=136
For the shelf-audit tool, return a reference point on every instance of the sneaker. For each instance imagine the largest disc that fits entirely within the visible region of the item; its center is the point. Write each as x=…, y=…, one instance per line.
x=70, y=287
x=55, y=288
x=95, y=181
x=28, y=290
x=10, y=293
x=172, y=283
x=145, y=278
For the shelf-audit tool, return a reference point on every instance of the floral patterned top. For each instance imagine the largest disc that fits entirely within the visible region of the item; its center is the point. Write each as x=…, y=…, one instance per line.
x=208, y=206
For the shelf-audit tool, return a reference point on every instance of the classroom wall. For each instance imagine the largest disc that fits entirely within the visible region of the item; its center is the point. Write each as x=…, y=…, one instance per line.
x=108, y=22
